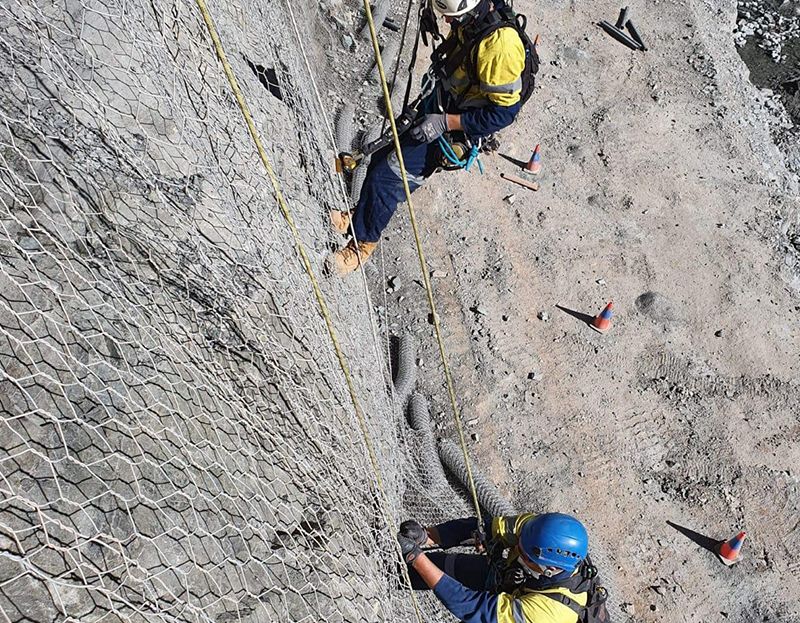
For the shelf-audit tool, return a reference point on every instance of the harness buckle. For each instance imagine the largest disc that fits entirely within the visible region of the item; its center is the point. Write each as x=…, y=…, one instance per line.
x=480, y=539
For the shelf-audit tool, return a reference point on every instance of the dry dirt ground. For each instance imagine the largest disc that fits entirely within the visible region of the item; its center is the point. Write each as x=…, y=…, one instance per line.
x=662, y=192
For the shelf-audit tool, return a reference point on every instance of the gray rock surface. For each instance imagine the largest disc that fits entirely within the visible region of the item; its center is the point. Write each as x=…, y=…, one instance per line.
x=177, y=437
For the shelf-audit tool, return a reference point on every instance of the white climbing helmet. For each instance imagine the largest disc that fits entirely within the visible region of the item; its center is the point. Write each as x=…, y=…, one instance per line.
x=454, y=8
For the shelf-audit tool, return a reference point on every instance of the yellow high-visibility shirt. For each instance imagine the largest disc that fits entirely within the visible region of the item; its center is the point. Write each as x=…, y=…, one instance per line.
x=525, y=605
x=500, y=61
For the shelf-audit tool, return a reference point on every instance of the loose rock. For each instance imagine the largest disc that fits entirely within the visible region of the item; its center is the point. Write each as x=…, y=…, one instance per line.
x=348, y=43
x=657, y=306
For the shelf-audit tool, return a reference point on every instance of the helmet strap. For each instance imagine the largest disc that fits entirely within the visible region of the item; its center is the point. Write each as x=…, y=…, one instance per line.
x=530, y=572
x=475, y=16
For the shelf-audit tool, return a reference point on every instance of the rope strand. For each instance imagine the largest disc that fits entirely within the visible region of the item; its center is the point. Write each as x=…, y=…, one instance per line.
x=234, y=84
x=423, y=264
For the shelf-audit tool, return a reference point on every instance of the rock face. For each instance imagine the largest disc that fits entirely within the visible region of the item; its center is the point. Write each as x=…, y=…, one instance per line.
x=176, y=434
x=767, y=36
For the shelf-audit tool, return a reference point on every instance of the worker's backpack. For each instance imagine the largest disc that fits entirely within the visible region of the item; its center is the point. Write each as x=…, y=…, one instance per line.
x=451, y=53
x=586, y=581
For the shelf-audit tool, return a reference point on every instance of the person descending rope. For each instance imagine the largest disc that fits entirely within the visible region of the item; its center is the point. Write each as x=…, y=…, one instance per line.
x=537, y=570
x=480, y=77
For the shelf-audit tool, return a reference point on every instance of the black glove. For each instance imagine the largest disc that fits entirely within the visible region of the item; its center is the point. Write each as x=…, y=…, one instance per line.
x=513, y=577
x=415, y=531
x=431, y=128
x=409, y=547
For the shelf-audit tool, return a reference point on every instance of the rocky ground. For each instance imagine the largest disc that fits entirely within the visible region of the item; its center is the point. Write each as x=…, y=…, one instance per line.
x=663, y=190
x=176, y=436
x=768, y=38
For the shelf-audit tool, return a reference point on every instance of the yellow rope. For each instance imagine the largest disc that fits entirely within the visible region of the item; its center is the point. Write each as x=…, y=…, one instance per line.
x=234, y=84
x=423, y=264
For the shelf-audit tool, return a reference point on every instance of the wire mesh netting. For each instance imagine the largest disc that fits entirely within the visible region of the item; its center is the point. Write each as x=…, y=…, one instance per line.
x=176, y=439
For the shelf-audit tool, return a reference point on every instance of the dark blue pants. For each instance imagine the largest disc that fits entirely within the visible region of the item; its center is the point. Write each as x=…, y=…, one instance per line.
x=383, y=188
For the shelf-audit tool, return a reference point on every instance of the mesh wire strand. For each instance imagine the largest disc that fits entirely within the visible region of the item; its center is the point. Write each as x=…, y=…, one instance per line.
x=176, y=442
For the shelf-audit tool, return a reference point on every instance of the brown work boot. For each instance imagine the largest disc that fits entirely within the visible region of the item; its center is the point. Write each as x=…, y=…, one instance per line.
x=347, y=259
x=340, y=221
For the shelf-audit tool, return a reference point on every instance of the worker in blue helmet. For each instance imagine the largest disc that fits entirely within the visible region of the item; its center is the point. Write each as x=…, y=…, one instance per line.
x=537, y=570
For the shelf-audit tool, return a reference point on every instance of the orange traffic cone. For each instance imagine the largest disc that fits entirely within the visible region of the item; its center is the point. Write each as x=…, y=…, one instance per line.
x=728, y=551
x=534, y=166
x=602, y=321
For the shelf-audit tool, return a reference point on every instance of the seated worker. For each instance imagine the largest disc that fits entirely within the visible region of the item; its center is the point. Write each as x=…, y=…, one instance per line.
x=545, y=578
x=479, y=97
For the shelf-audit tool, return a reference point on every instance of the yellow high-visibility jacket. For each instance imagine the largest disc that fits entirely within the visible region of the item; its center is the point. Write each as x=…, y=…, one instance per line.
x=525, y=605
x=500, y=62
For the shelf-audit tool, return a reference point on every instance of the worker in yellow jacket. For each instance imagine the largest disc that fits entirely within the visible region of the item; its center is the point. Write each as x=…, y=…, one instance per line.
x=546, y=577
x=484, y=72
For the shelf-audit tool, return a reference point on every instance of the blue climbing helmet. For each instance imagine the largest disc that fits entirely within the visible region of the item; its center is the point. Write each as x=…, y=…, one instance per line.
x=554, y=540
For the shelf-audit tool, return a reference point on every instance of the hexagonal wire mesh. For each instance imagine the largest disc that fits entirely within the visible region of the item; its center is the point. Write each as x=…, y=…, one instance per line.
x=176, y=439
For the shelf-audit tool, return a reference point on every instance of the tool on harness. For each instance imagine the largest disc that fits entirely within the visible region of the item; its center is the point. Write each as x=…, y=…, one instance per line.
x=479, y=538
x=459, y=154
x=347, y=161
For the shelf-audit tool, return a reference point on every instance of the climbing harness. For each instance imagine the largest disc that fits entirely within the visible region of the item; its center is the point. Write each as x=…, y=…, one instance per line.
x=446, y=58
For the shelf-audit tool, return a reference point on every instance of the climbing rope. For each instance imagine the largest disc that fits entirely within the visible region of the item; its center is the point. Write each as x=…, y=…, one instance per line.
x=344, y=196
x=423, y=264
x=472, y=156
x=234, y=84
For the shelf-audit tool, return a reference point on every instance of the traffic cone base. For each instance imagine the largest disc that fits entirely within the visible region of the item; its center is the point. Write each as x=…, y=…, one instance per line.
x=602, y=321
x=729, y=552
x=534, y=165
x=723, y=560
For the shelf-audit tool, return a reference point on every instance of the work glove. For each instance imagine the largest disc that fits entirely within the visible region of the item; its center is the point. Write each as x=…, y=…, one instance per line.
x=513, y=577
x=431, y=128
x=415, y=531
x=409, y=547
